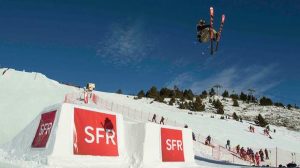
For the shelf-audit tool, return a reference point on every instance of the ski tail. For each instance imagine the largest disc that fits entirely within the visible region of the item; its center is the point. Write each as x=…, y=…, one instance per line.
x=220, y=31
x=211, y=29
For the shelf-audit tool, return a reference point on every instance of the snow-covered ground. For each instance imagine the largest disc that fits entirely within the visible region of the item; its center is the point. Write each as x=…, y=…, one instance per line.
x=24, y=95
x=284, y=141
x=275, y=115
x=219, y=129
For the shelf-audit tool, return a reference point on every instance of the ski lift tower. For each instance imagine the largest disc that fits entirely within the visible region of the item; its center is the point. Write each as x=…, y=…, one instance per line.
x=218, y=86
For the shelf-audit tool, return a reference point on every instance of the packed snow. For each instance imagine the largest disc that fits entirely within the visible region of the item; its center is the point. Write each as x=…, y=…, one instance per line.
x=24, y=95
x=219, y=129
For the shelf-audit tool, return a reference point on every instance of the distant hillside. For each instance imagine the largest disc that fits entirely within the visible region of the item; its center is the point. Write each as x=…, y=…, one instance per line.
x=245, y=106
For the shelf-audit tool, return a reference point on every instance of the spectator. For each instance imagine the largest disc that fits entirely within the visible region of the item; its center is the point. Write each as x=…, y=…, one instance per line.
x=268, y=128
x=252, y=155
x=248, y=152
x=242, y=153
x=228, y=144
x=251, y=129
x=154, y=118
x=261, y=154
x=267, y=154
x=266, y=132
x=162, y=121
x=108, y=125
x=208, y=139
x=238, y=149
x=257, y=159
x=194, y=136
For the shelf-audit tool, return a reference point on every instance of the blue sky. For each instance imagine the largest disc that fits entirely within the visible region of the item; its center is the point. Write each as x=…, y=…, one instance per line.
x=133, y=45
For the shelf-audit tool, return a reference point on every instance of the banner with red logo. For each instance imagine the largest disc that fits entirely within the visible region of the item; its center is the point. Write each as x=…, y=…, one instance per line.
x=95, y=133
x=43, y=132
x=172, y=145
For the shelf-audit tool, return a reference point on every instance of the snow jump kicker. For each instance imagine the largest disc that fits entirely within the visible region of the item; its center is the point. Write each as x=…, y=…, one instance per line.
x=82, y=134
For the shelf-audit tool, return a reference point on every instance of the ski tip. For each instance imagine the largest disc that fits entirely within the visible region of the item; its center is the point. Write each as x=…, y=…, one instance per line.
x=211, y=11
x=223, y=18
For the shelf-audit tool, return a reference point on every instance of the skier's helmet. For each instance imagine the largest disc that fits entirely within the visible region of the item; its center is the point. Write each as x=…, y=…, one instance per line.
x=202, y=22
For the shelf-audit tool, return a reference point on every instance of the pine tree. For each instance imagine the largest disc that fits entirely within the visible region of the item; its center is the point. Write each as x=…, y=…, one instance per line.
x=225, y=94
x=212, y=92
x=172, y=101
x=289, y=106
x=234, y=96
x=278, y=104
x=234, y=116
x=177, y=92
x=159, y=98
x=152, y=93
x=261, y=121
x=119, y=91
x=141, y=94
x=188, y=94
x=198, y=105
x=186, y=105
x=165, y=92
x=243, y=97
x=181, y=105
x=182, y=99
x=190, y=106
x=264, y=101
x=251, y=98
x=203, y=94
x=235, y=103
x=218, y=105
x=220, y=111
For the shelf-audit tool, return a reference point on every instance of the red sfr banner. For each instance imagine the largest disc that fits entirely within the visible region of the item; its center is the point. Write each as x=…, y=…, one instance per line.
x=95, y=133
x=43, y=132
x=172, y=145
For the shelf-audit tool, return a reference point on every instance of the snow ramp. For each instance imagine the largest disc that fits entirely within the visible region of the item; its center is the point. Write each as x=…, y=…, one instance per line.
x=69, y=135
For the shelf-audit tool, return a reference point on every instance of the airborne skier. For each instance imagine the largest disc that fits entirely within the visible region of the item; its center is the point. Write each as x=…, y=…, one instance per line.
x=203, y=32
x=206, y=32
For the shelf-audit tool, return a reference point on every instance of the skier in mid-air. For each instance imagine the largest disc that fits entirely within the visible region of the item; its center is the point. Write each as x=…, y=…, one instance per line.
x=206, y=32
x=203, y=32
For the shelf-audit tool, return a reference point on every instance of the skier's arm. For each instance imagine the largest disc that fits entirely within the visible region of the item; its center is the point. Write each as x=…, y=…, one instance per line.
x=206, y=26
x=200, y=28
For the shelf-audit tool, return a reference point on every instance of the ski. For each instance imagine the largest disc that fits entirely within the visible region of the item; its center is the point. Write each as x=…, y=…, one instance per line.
x=211, y=29
x=220, y=31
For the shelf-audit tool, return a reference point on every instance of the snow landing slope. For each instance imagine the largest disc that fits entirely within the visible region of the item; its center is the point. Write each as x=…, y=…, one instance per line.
x=24, y=95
